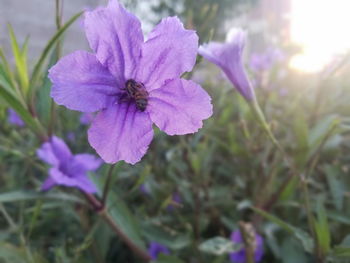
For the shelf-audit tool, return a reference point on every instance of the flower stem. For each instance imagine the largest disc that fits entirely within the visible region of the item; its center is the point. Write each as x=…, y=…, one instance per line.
x=261, y=118
x=103, y=213
x=249, y=249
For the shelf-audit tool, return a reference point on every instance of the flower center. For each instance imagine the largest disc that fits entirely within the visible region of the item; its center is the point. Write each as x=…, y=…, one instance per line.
x=137, y=92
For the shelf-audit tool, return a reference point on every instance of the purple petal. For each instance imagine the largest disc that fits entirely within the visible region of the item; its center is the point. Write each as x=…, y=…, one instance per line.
x=170, y=51
x=116, y=37
x=155, y=249
x=85, y=184
x=81, y=83
x=121, y=132
x=179, y=107
x=88, y=161
x=228, y=57
x=240, y=256
x=54, y=152
x=80, y=181
x=48, y=184
x=14, y=119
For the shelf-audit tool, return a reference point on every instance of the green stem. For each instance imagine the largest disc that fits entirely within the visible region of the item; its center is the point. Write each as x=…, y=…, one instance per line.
x=261, y=118
x=103, y=213
x=107, y=185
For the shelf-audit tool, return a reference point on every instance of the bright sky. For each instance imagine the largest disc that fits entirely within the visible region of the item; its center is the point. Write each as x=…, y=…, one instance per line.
x=322, y=28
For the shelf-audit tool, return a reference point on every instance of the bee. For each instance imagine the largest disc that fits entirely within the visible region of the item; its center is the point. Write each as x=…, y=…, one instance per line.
x=138, y=92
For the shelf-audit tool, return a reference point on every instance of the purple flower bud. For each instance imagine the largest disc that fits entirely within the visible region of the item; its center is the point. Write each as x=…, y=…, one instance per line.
x=228, y=57
x=67, y=169
x=155, y=249
x=240, y=256
x=14, y=119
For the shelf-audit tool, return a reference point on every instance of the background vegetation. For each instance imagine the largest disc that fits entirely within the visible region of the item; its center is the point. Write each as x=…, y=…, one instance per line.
x=226, y=173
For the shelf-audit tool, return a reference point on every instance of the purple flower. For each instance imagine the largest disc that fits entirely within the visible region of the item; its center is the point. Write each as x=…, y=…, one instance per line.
x=239, y=256
x=144, y=189
x=155, y=249
x=86, y=118
x=228, y=56
x=132, y=83
x=176, y=199
x=266, y=60
x=67, y=169
x=70, y=136
x=13, y=118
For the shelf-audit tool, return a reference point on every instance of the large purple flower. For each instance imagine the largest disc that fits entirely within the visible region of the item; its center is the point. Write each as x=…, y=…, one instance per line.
x=67, y=169
x=228, y=56
x=155, y=249
x=240, y=255
x=132, y=83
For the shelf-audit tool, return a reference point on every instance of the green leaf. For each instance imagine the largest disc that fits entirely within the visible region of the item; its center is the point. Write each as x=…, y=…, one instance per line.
x=49, y=46
x=322, y=229
x=175, y=242
x=168, y=259
x=121, y=215
x=12, y=101
x=335, y=185
x=20, y=56
x=124, y=219
x=219, y=246
x=300, y=234
x=17, y=196
x=11, y=254
x=340, y=251
x=319, y=133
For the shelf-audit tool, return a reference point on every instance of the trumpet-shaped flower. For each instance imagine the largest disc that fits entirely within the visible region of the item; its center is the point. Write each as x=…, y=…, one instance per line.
x=240, y=256
x=132, y=83
x=67, y=169
x=228, y=57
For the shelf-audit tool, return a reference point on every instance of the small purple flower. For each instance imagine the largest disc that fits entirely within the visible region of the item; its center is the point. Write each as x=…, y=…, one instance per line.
x=176, y=199
x=144, y=189
x=266, y=60
x=70, y=136
x=228, y=57
x=155, y=249
x=86, y=118
x=14, y=119
x=132, y=83
x=67, y=169
x=240, y=256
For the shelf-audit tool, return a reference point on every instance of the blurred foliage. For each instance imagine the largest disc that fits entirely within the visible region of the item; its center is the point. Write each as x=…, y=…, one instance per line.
x=227, y=172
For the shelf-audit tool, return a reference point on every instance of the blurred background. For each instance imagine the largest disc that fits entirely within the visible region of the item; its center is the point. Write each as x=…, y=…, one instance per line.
x=189, y=190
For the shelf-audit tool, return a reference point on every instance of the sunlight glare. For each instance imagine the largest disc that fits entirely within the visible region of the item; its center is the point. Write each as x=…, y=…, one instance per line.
x=321, y=28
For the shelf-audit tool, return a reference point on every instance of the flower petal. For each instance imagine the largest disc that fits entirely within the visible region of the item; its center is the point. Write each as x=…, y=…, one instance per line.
x=170, y=51
x=116, y=37
x=121, y=132
x=228, y=56
x=80, y=181
x=179, y=107
x=81, y=83
x=89, y=162
x=48, y=184
x=54, y=152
